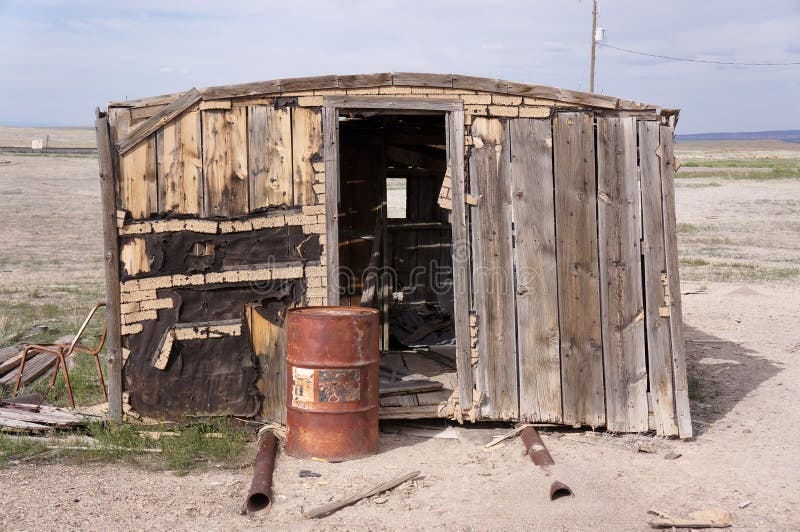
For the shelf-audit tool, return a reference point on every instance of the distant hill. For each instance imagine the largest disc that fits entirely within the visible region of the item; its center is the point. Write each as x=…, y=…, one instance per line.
x=792, y=135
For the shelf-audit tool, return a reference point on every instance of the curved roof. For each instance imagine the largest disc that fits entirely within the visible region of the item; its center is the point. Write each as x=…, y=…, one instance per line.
x=178, y=102
x=407, y=79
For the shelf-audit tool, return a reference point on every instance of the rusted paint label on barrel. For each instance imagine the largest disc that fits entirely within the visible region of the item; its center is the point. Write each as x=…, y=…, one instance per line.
x=325, y=386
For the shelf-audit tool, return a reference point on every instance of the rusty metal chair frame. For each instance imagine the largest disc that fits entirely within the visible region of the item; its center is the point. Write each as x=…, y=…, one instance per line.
x=62, y=351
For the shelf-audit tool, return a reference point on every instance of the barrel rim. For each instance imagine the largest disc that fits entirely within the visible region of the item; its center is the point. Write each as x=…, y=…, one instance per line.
x=333, y=312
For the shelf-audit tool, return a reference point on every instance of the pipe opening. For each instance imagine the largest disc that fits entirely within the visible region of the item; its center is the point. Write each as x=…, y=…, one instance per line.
x=257, y=502
x=558, y=490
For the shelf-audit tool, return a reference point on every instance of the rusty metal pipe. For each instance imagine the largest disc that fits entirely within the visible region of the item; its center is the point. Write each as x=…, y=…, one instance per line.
x=535, y=448
x=260, y=495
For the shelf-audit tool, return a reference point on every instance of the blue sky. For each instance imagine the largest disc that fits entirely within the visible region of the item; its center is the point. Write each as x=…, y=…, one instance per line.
x=62, y=59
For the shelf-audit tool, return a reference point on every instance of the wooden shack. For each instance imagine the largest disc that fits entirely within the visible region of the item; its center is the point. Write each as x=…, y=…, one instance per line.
x=519, y=241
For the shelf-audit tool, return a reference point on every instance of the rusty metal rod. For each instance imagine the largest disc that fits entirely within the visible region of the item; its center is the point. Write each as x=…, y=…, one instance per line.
x=260, y=495
x=535, y=448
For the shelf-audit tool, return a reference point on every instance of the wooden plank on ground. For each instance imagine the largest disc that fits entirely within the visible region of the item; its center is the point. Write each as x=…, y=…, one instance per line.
x=306, y=149
x=17, y=425
x=659, y=344
x=225, y=162
x=621, y=301
x=53, y=416
x=493, y=267
x=578, y=284
x=36, y=365
x=674, y=284
x=535, y=259
x=180, y=168
x=270, y=156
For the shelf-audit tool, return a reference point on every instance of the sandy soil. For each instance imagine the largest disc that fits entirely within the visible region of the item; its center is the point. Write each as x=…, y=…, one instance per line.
x=743, y=349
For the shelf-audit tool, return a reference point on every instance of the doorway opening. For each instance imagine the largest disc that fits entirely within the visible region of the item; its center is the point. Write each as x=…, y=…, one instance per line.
x=395, y=247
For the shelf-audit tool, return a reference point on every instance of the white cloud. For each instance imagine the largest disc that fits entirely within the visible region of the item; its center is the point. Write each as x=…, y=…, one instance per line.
x=64, y=58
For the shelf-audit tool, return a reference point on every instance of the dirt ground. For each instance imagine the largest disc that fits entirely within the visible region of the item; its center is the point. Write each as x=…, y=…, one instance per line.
x=744, y=370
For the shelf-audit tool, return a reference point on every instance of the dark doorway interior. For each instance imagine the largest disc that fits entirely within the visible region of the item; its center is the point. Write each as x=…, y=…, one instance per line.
x=395, y=241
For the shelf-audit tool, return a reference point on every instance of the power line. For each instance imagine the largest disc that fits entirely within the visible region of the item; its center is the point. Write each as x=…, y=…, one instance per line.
x=689, y=60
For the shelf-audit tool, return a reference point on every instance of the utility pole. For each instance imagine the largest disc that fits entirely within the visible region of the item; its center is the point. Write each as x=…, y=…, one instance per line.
x=594, y=45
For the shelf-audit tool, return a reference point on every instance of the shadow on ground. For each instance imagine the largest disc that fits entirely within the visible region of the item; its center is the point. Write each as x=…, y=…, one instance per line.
x=721, y=373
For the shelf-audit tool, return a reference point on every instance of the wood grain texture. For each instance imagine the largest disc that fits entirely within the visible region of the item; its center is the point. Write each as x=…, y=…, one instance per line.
x=111, y=260
x=133, y=257
x=536, y=279
x=180, y=165
x=674, y=283
x=136, y=172
x=268, y=342
x=225, y=162
x=494, y=288
x=578, y=276
x=306, y=148
x=270, y=157
x=622, y=320
x=460, y=258
x=330, y=131
x=152, y=124
x=659, y=343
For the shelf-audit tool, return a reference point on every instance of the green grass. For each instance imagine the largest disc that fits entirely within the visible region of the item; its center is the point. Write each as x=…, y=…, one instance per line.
x=218, y=441
x=698, y=269
x=758, y=162
x=686, y=228
x=693, y=261
x=12, y=448
x=760, y=168
x=188, y=448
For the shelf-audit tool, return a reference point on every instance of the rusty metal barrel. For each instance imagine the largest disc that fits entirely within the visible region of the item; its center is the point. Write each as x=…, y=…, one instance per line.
x=333, y=360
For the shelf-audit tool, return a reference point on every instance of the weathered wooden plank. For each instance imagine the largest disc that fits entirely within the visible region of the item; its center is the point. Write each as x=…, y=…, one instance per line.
x=138, y=184
x=111, y=260
x=330, y=131
x=422, y=80
x=180, y=168
x=622, y=319
x=659, y=345
x=255, y=88
x=133, y=257
x=16, y=424
x=162, y=99
x=36, y=365
x=143, y=113
x=674, y=284
x=270, y=156
x=579, y=98
x=400, y=103
x=365, y=80
x=536, y=280
x=225, y=162
x=151, y=125
x=480, y=84
x=306, y=149
x=309, y=83
x=493, y=267
x=578, y=284
x=268, y=341
x=460, y=258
